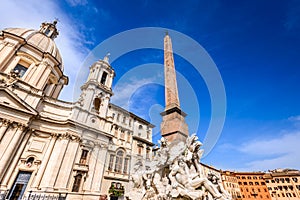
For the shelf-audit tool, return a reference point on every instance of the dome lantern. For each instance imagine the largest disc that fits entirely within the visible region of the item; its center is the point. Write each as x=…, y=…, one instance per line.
x=49, y=29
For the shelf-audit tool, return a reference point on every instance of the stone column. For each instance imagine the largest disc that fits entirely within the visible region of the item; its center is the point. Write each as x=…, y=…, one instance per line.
x=7, y=52
x=30, y=72
x=41, y=74
x=97, y=74
x=92, y=164
x=99, y=168
x=41, y=170
x=111, y=77
x=8, y=154
x=16, y=159
x=54, y=163
x=67, y=165
x=58, y=88
x=3, y=128
x=49, y=89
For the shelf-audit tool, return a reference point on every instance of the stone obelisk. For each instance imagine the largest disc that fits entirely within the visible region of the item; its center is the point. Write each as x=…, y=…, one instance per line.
x=173, y=126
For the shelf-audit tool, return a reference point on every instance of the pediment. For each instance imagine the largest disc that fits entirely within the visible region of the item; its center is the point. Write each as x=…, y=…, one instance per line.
x=11, y=100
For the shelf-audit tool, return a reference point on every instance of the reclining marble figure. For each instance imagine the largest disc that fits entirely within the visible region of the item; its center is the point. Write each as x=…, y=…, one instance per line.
x=175, y=173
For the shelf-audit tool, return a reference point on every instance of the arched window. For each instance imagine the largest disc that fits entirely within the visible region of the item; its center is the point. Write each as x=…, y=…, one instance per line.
x=103, y=78
x=77, y=182
x=119, y=161
x=97, y=103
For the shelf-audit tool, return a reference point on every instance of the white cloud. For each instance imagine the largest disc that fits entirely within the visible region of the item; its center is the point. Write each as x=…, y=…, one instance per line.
x=125, y=89
x=280, y=152
x=294, y=118
x=77, y=2
x=70, y=41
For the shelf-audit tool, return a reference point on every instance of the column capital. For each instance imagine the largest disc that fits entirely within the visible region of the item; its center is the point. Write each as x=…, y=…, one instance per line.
x=5, y=122
x=54, y=135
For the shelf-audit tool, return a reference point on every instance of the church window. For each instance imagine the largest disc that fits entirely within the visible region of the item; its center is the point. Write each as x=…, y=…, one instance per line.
x=119, y=161
x=116, y=132
x=97, y=103
x=83, y=158
x=77, y=182
x=20, y=69
x=128, y=137
x=140, y=149
x=111, y=162
x=47, y=31
x=122, y=135
x=125, y=169
x=140, y=127
x=103, y=78
x=118, y=117
x=148, y=134
x=124, y=120
x=147, y=154
x=113, y=116
x=129, y=123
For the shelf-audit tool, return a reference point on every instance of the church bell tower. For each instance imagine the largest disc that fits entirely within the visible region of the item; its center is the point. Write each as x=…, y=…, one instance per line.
x=173, y=126
x=96, y=91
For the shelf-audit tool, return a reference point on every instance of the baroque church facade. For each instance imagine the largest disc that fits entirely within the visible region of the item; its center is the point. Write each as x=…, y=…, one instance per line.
x=49, y=147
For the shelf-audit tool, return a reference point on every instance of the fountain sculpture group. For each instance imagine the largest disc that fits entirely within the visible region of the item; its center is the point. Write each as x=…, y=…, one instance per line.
x=175, y=173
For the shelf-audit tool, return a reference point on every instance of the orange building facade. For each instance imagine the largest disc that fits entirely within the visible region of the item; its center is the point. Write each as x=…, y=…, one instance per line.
x=230, y=183
x=283, y=184
x=252, y=185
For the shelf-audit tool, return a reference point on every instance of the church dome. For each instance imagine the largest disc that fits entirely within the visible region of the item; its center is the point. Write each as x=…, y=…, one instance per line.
x=42, y=39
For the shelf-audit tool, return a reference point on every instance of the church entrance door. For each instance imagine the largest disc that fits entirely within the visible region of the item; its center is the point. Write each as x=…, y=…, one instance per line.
x=19, y=186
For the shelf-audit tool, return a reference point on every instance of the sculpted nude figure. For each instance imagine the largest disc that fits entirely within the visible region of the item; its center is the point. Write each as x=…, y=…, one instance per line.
x=181, y=178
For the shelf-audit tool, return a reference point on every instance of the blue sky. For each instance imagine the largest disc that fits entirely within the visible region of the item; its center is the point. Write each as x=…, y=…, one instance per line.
x=255, y=45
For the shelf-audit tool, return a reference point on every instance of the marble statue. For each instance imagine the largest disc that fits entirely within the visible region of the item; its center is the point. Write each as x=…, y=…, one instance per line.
x=175, y=173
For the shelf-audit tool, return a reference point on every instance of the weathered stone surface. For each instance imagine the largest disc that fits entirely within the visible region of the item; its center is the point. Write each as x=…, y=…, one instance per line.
x=175, y=173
